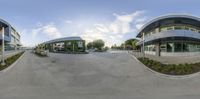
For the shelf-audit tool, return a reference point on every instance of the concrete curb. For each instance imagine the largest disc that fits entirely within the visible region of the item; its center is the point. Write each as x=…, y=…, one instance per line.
x=12, y=65
x=165, y=75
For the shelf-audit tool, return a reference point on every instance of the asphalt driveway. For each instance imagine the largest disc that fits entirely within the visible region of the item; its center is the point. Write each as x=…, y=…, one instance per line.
x=110, y=75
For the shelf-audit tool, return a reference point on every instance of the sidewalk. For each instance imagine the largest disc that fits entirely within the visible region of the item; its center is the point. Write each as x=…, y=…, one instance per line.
x=169, y=59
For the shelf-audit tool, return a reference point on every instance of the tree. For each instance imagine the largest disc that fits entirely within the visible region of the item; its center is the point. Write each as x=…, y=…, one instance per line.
x=114, y=46
x=131, y=44
x=89, y=45
x=98, y=44
x=134, y=46
x=122, y=46
x=106, y=48
x=129, y=41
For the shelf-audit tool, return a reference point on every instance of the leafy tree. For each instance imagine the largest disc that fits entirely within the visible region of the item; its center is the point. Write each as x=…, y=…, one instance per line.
x=131, y=44
x=114, y=46
x=123, y=46
x=106, y=48
x=129, y=41
x=99, y=44
x=89, y=45
x=134, y=46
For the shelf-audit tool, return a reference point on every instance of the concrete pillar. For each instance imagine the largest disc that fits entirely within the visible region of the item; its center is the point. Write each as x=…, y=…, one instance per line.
x=3, y=44
x=157, y=46
x=65, y=46
x=143, y=41
x=157, y=30
x=173, y=48
x=73, y=47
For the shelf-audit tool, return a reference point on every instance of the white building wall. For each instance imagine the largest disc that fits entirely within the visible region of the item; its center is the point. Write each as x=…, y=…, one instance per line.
x=15, y=38
x=150, y=52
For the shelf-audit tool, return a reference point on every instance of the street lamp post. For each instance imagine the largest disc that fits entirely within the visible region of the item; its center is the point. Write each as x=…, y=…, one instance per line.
x=2, y=56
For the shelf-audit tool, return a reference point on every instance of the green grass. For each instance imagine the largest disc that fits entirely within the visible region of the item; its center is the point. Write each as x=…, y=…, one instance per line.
x=10, y=60
x=171, y=69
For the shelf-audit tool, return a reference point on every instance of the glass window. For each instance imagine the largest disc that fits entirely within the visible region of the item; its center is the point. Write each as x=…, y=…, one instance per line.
x=146, y=48
x=185, y=47
x=198, y=47
x=150, y=48
x=163, y=29
x=178, y=28
x=187, y=28
x=170, y=47
x=177, y=47
x=80, y=44
x=170, y=28
x=191, y=47
x=163, y=48
x=69, y=43
x=192, y=29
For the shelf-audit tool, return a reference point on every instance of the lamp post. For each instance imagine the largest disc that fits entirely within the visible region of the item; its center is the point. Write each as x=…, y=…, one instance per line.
x=2, y=56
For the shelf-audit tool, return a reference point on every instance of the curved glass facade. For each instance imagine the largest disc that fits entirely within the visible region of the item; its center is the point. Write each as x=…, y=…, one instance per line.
x=173, y=27
x=177, y=34
x=180, y=47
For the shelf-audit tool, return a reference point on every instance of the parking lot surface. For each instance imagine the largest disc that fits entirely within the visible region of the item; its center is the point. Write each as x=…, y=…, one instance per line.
x=109, y=75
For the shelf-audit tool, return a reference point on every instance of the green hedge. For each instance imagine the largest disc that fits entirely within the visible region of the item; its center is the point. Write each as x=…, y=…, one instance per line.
x=9, y=61
x=171, y=69
x=40, y=54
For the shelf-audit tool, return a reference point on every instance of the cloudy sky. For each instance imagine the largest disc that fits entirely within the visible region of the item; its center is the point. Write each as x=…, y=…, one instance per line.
x=114, y=21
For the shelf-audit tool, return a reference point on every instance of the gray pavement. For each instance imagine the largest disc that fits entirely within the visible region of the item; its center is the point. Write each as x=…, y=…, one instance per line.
x=110, y=75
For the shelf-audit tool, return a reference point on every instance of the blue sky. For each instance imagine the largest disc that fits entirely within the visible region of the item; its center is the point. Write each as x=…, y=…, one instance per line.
x=111, y=20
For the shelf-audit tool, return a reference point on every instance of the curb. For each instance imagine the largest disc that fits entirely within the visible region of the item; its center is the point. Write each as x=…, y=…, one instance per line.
x=13, y=64
x=165, y=75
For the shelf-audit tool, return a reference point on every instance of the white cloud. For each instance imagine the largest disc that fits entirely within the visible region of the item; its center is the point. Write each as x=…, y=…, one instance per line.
x=68, y=21
x=113, y=32
x=139, y=25
x=39, y=34
x=50, y=30
x=74, y=34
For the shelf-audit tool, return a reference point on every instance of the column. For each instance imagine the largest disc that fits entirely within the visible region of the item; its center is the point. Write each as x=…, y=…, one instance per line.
x=2, y=56
x=157, y=45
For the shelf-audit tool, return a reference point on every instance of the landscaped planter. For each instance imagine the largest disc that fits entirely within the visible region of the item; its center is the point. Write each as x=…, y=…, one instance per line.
x=10, y=60
x=171, y=69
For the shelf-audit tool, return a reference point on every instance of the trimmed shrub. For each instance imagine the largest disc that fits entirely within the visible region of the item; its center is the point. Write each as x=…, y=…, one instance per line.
x=10, y=60
x=171, y=69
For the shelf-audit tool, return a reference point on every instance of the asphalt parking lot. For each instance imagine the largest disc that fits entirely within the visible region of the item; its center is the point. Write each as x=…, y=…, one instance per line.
x=111, y=75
